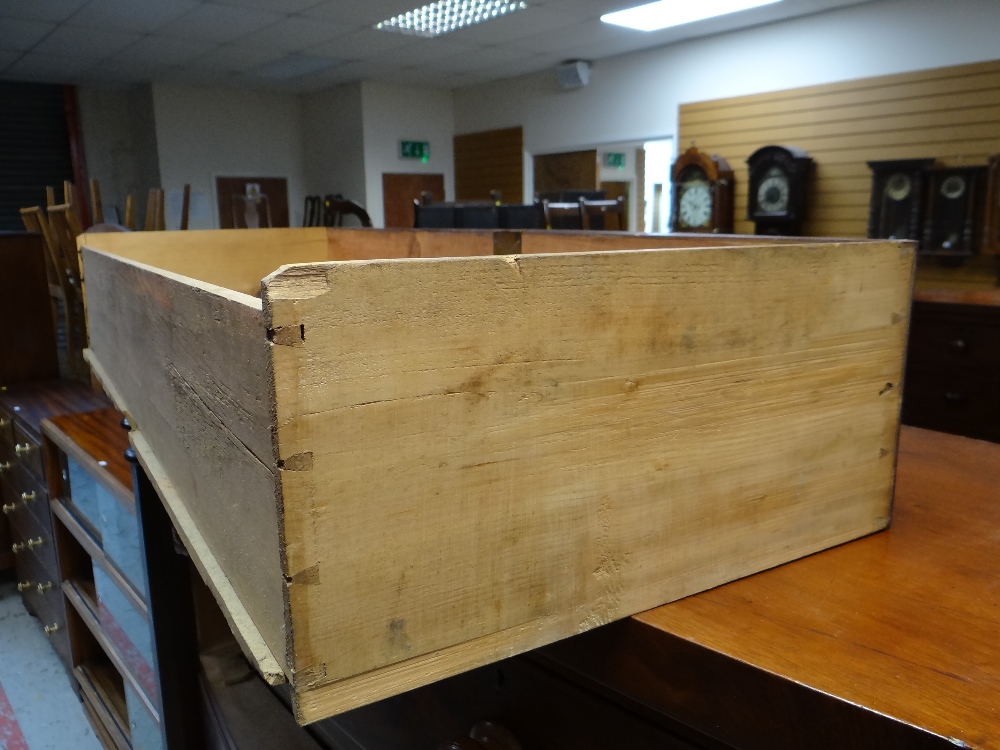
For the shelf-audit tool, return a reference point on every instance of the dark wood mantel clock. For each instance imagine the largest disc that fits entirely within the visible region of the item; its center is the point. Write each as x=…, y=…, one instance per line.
x=702, y=193
x=991, y=228
x=778, y=189
x=955, y=198
x=896, y=207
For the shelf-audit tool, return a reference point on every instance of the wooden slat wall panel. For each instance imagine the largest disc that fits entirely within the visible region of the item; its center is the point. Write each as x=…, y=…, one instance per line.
x=949, y=113
x=491, y=160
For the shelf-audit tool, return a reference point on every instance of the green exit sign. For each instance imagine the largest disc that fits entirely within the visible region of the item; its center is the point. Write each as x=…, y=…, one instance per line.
x=615, y=161
x=415, y=150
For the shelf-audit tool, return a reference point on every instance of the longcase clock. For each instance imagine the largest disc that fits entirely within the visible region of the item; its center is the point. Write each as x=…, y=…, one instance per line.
x=702, y=193
x=896, y=208
x=778, y=189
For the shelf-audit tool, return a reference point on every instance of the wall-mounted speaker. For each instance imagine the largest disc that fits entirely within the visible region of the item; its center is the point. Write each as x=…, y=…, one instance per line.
x=573, y=74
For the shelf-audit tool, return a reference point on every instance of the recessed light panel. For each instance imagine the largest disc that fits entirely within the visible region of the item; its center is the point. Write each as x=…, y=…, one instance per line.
x=449, y=15
x=667, y=13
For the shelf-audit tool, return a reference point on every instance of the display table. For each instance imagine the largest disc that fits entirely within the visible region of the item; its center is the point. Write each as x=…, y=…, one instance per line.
x=889, y=641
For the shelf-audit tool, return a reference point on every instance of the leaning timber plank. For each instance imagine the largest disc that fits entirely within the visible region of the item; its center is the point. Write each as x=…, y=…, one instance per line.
x=189, y=364
x=482, y=455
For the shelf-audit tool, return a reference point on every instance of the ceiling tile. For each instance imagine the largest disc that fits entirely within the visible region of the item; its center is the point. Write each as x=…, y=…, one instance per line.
x=295, y=33
x=22, y=35
x=165, y=50
x=526, y=22
x=35, y=66
x=368, y=12
x=93, y=44
x=40, y=10
x=129, y=15
x=231, y=58
x=578, y=36
x=281, y=6
x=422, y=50
x=362, y=43
x=7, y=56
x=220, y=23
x=127, y=71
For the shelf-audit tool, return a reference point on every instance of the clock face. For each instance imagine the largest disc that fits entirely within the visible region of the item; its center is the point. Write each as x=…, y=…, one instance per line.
x=898, y=186
x=772, y=195
x=695, y=207
x=953, y=187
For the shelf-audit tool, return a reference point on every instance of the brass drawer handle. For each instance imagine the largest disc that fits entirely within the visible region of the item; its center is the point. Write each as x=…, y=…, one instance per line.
x=4, y=422
x=22, y=449
x=17, y=547
x=50, y=629
x=27, y=497
x=42, y=588
x=958, y=346
x=24, y=586
x=4, y=465
x=32, y=543
x=9, y=508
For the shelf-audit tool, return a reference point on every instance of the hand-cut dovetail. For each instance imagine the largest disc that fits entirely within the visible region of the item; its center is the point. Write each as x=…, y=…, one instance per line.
x=287, y=335
x=297, y=462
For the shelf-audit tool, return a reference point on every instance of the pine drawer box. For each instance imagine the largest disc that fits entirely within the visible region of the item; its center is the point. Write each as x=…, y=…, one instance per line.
x=401, y=456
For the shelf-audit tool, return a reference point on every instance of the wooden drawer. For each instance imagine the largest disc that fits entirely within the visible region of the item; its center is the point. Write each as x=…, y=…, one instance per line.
x=959, y=401
x=954, y=337
x=6, y=429
x=43, y=598
x=28, y=493
x=29, y=451
x=30, y=537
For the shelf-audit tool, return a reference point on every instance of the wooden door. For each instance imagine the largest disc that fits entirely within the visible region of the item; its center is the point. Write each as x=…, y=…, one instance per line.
x=573, y=170
x=400, y=190
x=275, y=188
x=616, y=189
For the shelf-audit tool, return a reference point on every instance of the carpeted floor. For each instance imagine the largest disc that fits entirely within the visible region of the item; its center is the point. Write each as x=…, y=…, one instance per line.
x=38, y=709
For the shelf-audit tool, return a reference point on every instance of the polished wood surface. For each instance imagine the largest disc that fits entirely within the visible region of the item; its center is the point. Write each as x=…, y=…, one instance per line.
x=572, y=170
x=488, y=161
x=889, y=641
x=99, y=436
x=28, y=344
x=985, y=297
x=400, y=190
x=33, y=402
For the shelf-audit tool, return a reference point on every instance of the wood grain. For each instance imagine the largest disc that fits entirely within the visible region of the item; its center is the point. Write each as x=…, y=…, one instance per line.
x=503, y=491
x=573, y=170
x=188, y=364
x=487, y=161
x=93, y=437
x=28, y=345
x=894, y=633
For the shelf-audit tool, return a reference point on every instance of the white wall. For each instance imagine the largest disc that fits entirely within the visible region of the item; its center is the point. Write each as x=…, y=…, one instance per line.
x=636, y=96
x=204, y=133
x=392, y=113
x=119, y=142
x=334, y=143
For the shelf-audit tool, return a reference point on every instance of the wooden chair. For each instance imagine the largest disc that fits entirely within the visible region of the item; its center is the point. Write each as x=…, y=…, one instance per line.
x=186, y=207
x=336, y=207
x=594, y=214
x=65, y=228
x=155, y=209
x=96, y=206
x=129, y=212
x=562, y=215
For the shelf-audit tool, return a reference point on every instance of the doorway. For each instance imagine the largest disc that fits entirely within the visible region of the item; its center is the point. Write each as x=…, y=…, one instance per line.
x=400, y=190
x=658, y=160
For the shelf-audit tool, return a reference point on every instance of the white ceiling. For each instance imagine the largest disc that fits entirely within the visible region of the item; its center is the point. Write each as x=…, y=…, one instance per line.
x=308, y=45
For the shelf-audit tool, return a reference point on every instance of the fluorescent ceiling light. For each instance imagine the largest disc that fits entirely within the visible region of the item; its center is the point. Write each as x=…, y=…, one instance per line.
x=666, y=13
x=449, y=15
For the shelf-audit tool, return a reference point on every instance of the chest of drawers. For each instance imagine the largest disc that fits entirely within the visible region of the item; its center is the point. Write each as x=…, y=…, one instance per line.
x=24, y=495
x=953, y=364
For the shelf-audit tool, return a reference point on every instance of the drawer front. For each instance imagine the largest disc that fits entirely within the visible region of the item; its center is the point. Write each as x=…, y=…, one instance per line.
x=954, y=341
x=6, y=429
x=29, y=451
x=28, y=494
x=955, y=401
x=31, y=538
x=44, y=599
